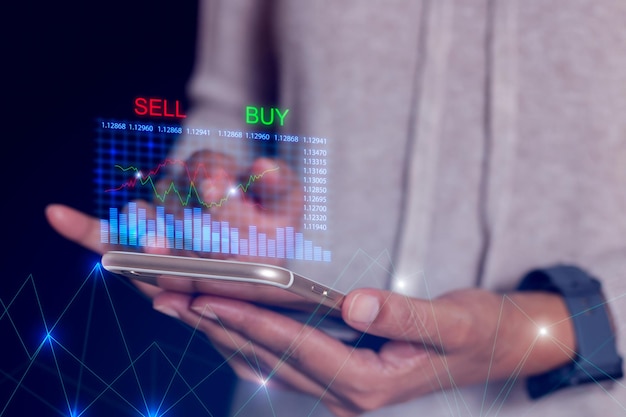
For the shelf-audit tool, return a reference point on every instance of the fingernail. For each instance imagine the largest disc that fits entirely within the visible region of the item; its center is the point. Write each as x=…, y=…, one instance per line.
x=364, y=308
x=167, y=311
x=205, y=311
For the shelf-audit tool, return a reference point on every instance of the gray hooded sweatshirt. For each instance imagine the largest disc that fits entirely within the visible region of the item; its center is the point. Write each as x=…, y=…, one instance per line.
x=469, y=142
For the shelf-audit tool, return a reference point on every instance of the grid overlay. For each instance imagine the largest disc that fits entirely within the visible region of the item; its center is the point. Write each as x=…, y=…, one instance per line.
x=132, y=164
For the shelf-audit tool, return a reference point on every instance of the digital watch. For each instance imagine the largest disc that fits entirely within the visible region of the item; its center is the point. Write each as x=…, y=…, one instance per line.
x=596, y=356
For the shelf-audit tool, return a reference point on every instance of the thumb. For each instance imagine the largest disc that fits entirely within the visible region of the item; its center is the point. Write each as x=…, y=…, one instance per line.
x=399, y=317
x=76, y=226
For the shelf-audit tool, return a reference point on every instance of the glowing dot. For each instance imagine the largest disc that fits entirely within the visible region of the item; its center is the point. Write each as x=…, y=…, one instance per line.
x=138, y=174
x=263, y=382
x=233, y=190
x=400, y=284
x=543, y=331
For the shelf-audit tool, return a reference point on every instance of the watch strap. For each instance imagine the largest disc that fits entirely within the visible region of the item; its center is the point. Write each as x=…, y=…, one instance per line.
x=596, y=356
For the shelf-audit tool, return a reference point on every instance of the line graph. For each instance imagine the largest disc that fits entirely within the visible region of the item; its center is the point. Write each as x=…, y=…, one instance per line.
x=191, y=179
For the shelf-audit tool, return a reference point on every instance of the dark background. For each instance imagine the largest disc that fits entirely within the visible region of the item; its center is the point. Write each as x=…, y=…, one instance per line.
x=109, y=353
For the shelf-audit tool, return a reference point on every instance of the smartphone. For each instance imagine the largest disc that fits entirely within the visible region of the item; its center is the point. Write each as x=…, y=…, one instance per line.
x=147, y=267
x=323, y=308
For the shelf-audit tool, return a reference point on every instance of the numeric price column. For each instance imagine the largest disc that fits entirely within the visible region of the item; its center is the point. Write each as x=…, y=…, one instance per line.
x=315, y=182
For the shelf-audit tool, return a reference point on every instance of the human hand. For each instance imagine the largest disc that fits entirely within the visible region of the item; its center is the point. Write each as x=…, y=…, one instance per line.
x=84, y=229
x=462, y=338
x=265, y=195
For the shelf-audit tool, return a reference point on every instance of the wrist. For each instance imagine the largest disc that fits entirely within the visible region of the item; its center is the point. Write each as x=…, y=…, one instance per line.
x=539, y=330
x=594, y=357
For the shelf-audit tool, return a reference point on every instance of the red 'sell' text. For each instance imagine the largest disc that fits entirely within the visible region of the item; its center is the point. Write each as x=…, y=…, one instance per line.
x=158, y=107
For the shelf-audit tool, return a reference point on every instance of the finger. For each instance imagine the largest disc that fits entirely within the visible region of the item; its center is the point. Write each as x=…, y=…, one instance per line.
x=257, y=364
x=267, y=189
x=274, y=203
x=212, y=176
x=149, y=290
x=270, y=179
x=218, y=189
x=250, y=361
x=314, y=353
x=353, y=380
x=398, y=317
x=198, y=182
x=76, y=226
x=275, y=185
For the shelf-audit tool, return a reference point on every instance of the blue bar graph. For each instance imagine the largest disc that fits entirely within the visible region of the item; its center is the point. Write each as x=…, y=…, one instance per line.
x=197, y=231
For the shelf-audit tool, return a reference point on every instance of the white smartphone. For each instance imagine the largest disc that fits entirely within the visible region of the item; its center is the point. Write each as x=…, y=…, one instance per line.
x=147, y=267
x=323, y=308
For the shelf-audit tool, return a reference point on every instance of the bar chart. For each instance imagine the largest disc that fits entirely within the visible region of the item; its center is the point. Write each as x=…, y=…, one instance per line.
x=197, y=231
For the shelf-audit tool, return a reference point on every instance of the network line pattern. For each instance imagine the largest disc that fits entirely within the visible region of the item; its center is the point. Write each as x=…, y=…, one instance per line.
x=107, y=366
x=133, y=163
x=96, y=357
